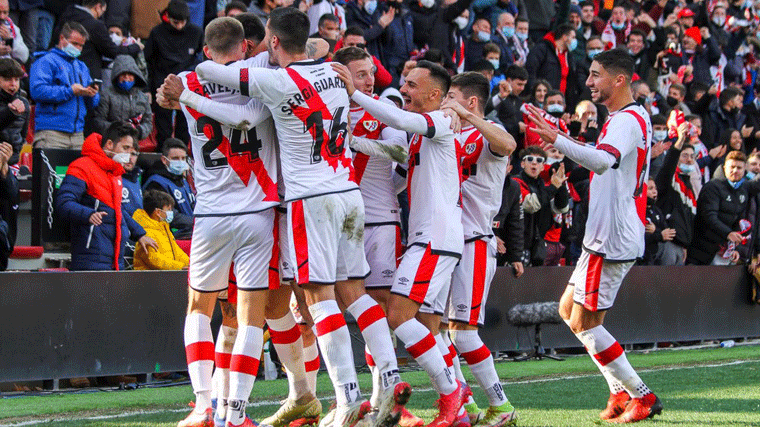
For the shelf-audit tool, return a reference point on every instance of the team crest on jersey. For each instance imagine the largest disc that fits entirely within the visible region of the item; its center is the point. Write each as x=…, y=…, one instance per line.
x=124, y=195
x=370, y=125
x=470, y=148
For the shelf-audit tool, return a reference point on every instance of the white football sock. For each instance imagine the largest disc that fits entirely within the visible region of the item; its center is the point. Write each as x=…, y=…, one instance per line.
x=225, y=341
x=311, y=356
x=371, y=320
x=287, y=340
x=335, y=343
x=603, y=347
x=244, y=365
x=480, y=361
x=421, y=345
x=199, y=349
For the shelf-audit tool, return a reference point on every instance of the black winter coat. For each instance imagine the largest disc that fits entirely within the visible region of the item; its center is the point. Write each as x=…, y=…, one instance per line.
x=169, y=51
x=12, y=126
x=674, y=201
x=719, y=209
x=8, y=217
x=543, y=63
x=538, y=223
x=508, y=223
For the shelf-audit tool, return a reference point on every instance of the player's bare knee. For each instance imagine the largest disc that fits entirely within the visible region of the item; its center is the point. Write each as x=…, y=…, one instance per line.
x=349, y=290
x=201, y=302
x=278, y=302
x=459, y=326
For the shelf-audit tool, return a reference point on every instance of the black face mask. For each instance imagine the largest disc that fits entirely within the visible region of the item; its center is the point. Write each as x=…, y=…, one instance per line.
x=557, y=115
x=641, y=100
x=672, y=102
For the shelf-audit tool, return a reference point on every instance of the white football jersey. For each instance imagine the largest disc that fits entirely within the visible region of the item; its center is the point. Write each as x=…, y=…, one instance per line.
x=235, y=170
x=374, y=174
x=310, y=106
x=483, y=174
x=617, y=198
x=434, y=188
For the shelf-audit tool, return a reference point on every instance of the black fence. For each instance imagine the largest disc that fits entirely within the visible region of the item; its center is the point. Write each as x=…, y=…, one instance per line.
x=64, y=325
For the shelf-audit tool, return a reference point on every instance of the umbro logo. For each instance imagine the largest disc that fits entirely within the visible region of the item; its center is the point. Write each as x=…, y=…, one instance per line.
x=403, y=279
x=461, y=307
x=387, y=273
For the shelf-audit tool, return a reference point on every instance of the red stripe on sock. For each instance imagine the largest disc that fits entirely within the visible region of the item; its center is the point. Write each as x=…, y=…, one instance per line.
x=312, y=365
x=330, y=323
x=222, y=360
x=369, y=359
x=201, y=350
x=477, y=356
x=422, y=346
x=452, y=350
x=611, y=353
x=370, y=316
x=449, y=358
x=285, y=337
x=244, y=364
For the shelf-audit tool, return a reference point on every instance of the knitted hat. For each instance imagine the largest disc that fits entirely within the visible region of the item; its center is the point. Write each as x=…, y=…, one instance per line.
x=694, y=33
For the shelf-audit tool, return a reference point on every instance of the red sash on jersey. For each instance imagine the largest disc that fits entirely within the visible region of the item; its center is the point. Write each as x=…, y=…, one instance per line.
x=242, y=163
x=315, y=103
x=370, y=128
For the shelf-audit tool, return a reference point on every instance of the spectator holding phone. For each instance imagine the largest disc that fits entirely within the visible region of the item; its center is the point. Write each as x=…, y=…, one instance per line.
x=14, y=108
x=64, y=91
x=12, y=43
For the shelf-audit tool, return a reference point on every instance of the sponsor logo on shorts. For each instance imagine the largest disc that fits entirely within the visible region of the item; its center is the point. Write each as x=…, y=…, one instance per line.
x=461, y=307
x=387, y=274
x=403, y=279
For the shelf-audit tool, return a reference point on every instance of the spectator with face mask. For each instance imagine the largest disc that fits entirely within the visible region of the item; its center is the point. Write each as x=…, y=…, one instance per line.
x=131, y=193
x=551, y=59
x=124, y=100
x=361, y=14
x=14, y=108
x=63, y=90
x=473, y=46
x=155, y=219
x=262, y=8
x=170, y=176
x=724, y=113
x=89, y=200
x=397, y=43
x=328, y=29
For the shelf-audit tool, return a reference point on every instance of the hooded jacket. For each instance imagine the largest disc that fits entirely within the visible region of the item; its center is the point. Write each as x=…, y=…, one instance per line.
x=118, y=105
x=169, y=256
x=50, y=80
x=93, y=184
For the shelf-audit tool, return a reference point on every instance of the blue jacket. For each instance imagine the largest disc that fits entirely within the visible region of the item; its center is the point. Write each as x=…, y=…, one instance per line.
x=184, y=199
x=131, y=191
x=50, y=80
x=92, y=184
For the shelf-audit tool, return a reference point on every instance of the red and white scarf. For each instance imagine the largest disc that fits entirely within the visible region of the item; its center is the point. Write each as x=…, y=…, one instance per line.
x=609, y=38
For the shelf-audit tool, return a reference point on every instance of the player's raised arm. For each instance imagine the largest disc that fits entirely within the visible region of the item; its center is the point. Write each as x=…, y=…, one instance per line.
x=499, y=140
x=391, y=146
x=392, y=116
x=244, y=117
x=260, y=83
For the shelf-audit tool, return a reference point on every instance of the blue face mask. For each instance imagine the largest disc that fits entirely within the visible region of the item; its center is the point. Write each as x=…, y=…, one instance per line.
x=508, y=31
x=618, y=27
x=169, y=217
x=573, y=44
x=484, y=36
x=593, y=52
x=751, y=175
x=555, y=108
x=178, y=167
x=522, y=36
x=71, y=50
x=126, y=85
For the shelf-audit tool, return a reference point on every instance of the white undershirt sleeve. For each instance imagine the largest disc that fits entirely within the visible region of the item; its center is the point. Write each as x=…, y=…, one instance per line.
x=597, y=161
x=392, y=116
x=245, y=116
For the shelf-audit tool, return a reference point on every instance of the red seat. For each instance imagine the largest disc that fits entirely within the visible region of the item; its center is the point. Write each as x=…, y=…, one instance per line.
x=30, y=130
x=25, y=195
x=184, y=245
x=149, y=144
x=27, y=252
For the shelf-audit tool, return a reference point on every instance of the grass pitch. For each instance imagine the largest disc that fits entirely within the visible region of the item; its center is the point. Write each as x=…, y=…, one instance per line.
x=707, y=387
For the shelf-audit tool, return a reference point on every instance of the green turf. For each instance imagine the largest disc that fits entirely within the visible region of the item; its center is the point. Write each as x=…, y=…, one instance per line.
x=693, y=394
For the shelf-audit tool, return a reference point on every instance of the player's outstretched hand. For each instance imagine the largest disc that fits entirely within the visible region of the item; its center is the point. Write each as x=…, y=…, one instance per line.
x=547, y=133
x=345, y=75
x=456, y=122
x=456, y=107
x=172, y=87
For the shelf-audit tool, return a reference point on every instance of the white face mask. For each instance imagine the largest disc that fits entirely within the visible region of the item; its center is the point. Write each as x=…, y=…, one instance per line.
x=552, y=160
x=461, y=22
x=116, y=39
x=121, y=158
x=427, y=3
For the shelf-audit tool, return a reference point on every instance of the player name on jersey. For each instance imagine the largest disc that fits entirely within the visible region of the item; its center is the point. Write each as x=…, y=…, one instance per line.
x=307, y=92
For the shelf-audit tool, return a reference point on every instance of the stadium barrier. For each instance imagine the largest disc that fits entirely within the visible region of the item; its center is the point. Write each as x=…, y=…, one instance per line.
x=65, y=325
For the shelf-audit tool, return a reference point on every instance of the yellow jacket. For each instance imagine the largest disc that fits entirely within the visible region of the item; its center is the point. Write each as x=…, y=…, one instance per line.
x=168, y=257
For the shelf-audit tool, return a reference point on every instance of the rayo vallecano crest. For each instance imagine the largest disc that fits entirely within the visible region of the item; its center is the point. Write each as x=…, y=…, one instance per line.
x=370, y=125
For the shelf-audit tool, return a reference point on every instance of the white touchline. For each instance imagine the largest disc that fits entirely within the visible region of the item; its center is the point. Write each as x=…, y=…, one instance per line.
x=419, y=390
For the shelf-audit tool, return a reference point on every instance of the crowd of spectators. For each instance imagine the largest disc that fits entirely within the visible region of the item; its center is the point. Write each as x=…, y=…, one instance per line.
x=86, y=71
